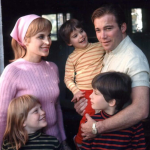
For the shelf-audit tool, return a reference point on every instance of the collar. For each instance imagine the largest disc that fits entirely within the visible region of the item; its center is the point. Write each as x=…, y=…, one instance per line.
x=123, y=44
x=78, y=49
x=35, y=135
x=105, y=115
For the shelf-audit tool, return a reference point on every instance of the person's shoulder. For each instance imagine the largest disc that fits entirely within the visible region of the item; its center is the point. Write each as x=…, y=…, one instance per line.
x=12, y=65
x=12, y=68
x=51, y=65
x=72, y=54
x=7, y=146
x=132, y=54
x=97, y=45
x=133, y=50
x=5, y=142
x=19, y=63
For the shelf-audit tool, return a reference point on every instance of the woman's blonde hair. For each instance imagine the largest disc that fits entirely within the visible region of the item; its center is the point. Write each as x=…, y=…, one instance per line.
x=17, y=113
x=36, y=26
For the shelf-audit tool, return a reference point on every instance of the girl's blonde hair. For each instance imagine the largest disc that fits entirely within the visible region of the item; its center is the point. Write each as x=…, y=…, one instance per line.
x=17, y=113
x=36, y=26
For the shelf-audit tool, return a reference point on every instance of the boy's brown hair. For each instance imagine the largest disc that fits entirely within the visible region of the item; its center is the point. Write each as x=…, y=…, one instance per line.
x=114, y=85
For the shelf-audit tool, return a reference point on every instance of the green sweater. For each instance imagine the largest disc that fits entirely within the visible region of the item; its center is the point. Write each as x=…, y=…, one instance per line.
x=36, y=141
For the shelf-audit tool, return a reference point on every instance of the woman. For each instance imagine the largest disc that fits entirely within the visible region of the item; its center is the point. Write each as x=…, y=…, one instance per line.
x=30, y=74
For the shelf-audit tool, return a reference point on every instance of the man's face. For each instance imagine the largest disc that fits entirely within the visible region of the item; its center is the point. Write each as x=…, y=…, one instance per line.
x=108, y=31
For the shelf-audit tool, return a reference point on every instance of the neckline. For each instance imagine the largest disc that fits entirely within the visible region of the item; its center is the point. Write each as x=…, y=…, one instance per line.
x=81, y=49
x=119, y=47
x=35, y=135
x=29, y=62
x=104, y=114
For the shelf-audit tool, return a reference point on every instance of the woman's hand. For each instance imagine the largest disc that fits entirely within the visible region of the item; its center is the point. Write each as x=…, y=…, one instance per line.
x=80, y=106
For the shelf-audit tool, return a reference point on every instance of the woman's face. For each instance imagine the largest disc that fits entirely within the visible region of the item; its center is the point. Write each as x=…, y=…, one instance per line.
x=38, y=46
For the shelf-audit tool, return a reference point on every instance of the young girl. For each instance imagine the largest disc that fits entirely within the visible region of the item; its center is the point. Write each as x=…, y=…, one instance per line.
x=25, y=119
x=30, y=74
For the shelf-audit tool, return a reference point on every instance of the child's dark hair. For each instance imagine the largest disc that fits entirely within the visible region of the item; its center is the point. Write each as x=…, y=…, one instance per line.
x=114, y=85
x=68, y=27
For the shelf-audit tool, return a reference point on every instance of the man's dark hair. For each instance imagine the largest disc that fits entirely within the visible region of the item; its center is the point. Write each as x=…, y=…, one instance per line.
x=113, y=9
x=114, y=85
x=68, y=27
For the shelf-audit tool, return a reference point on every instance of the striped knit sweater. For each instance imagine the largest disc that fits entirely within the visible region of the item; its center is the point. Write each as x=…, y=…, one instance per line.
x=37, y=79
x=82, y=65
x=128, y=139
x=36, y=141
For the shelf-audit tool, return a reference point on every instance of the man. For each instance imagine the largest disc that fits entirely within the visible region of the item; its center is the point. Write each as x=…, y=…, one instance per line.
x=124, y=56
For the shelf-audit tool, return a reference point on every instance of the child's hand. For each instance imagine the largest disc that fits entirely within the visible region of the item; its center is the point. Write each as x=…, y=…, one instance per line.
x=77, y=96
x=80, y=106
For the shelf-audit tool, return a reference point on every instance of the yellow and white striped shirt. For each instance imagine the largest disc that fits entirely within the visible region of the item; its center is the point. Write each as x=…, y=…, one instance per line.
x=82, y=65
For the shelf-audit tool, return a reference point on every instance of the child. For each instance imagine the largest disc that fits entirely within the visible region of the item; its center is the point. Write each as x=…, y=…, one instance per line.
x=25, y=119
x=82, y=65
x=111, y=91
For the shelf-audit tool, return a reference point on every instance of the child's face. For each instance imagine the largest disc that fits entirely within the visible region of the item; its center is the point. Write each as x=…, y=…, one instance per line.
x=35, y=119
x=98, y=102
x=78, y=38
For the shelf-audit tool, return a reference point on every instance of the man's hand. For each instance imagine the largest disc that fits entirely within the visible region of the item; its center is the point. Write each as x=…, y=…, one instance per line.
x=80, y=106
x=86, y=128
x=77, y=96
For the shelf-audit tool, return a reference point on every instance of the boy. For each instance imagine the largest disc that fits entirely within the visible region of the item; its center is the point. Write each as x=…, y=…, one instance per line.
x=111, y=91
x=82, y=65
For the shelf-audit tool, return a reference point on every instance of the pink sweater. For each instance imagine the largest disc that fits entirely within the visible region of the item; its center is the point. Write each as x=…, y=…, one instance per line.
x=38, y=79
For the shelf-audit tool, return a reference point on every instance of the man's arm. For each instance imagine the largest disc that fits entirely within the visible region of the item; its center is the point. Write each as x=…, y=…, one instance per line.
x=135, y=112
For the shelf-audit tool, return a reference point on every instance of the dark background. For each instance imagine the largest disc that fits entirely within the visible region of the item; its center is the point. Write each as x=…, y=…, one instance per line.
x=81, y=10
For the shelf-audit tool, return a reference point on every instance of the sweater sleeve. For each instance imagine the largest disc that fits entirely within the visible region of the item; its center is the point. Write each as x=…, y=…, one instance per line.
x=140, y=74
x=59, y=114
x=7, y=93
x=69, y=76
